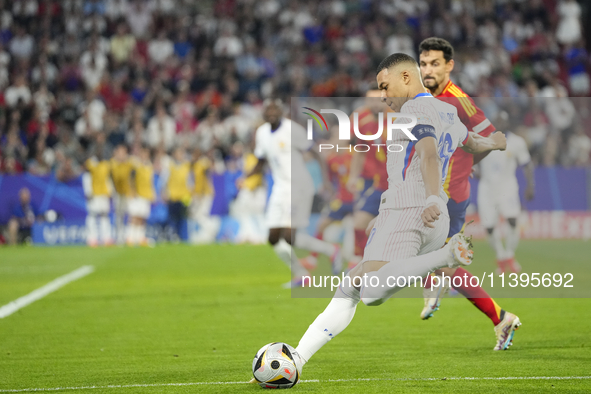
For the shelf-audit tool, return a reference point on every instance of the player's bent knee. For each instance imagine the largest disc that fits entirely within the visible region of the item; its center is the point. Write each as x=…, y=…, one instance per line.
x=512, y=222
x=274, y=237
x=490, y=230
x=372, y=301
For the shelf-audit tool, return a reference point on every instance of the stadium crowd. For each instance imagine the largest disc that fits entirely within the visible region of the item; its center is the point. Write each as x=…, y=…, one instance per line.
x=78, y=76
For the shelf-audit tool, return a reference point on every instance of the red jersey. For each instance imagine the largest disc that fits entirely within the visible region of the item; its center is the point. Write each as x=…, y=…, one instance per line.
x=339, y=165
x=374, y=166
x=456, y=184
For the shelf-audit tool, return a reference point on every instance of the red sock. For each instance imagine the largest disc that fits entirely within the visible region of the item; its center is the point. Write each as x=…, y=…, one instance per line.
x=319, y=236
x=360, y=241
x=477, y=296
x=427, y=281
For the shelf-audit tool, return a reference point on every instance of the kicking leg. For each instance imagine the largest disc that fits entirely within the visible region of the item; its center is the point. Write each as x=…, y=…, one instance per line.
x=335, y=318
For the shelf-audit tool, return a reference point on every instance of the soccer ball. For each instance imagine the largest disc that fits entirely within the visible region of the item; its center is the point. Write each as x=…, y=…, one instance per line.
x=274, y=366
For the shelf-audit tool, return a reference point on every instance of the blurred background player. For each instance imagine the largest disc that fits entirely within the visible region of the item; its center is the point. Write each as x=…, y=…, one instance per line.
x=249, y=206
x=176, y=178
x=368, y=177
x=436, y=64
x=141, y=198
x=24, y=214
x=338, y=163
x=202, y=200
x=98, y=189
x=498, y=194
x=280, y=143
x=121, y=168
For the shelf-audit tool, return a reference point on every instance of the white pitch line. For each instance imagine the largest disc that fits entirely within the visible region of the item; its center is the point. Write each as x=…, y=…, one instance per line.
x=123, y=386
x=41, y=292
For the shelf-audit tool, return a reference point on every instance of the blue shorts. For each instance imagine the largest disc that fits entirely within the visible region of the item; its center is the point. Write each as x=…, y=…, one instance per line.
x=339, y=209
x=370, y=199
x=457, y=215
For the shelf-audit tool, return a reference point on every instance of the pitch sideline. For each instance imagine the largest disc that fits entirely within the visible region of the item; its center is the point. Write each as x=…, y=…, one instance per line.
x=303, y=381
x=41, y=292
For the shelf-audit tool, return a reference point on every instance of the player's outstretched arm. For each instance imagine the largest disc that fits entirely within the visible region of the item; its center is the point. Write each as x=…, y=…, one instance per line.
x=426, y=149
x=258, y=168
x=528, y=170
x=476, y=144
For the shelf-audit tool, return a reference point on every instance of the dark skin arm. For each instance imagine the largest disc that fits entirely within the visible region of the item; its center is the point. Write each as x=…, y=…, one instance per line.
x=528, y=171
x=258, y=168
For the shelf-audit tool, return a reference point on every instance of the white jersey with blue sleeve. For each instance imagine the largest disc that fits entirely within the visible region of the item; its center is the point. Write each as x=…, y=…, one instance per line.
x=436, y=119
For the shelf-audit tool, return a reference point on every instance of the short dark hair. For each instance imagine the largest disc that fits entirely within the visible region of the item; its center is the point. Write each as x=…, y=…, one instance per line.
x=437, y=44
x=394, y=60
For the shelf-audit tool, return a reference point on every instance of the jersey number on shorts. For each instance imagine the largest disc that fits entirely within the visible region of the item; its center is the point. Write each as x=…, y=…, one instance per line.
x=445, y=152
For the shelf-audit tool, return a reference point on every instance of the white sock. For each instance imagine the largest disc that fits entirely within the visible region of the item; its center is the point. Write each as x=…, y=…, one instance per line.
x=496, y=243
x=91, y=229
x=286, y=253
x=305, y=241
x=141, y=232
x=129, y=233
x=105, y=228
x=335, y=318
x=387, y=276
x=512, y=240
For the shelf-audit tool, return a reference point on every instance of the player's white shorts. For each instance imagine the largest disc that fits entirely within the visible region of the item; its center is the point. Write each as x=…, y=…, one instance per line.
x=99, y=205
x=201, y=207
x=249, y=202
x=492, y=203
x=400, y=234
x=139, y=207
x=283, y=211
x=120, y=203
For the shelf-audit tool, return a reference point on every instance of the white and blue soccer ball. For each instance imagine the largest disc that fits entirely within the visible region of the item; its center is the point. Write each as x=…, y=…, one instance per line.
x=274, y=366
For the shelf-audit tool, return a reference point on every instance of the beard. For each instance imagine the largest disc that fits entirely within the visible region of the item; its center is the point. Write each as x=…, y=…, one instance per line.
x=431, y=84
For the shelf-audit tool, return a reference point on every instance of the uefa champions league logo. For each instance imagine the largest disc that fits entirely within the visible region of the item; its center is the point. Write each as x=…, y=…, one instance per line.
x=345, y=129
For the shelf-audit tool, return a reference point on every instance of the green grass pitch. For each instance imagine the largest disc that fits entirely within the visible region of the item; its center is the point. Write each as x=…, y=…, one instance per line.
x=184, y=314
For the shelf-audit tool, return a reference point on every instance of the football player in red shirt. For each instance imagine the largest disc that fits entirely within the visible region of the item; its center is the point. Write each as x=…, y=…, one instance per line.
x=368, y=177
x=436, y=64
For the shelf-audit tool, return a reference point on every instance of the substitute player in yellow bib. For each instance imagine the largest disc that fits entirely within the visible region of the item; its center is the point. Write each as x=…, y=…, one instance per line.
x=98, y=189
x=177, y=191
x=202, y=201
x=249, y=206
x=121, y=167
x=142, y=196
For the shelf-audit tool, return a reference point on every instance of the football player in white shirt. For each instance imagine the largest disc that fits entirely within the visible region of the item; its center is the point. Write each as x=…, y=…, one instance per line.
x=280, y=143
x=411, y=228
x=498, y=195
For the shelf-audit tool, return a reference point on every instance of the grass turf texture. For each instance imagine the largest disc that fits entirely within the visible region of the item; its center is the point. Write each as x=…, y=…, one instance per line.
x=182, y=314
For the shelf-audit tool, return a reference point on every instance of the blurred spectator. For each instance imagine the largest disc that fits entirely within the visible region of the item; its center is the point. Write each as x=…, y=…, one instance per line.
x=569, y=27
x=228, y=45
x=561, y=113
x=211, y=131
x=24, y=215
x=576, y=58
x=66, y=66
x=139, y=18
x=43, y=159
x=22, y=44
x=122, y=45
x=66, y=168
x=18, y=92
x=161, y=129
x=579, y=147
x=160, y=48
x=93, y=64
